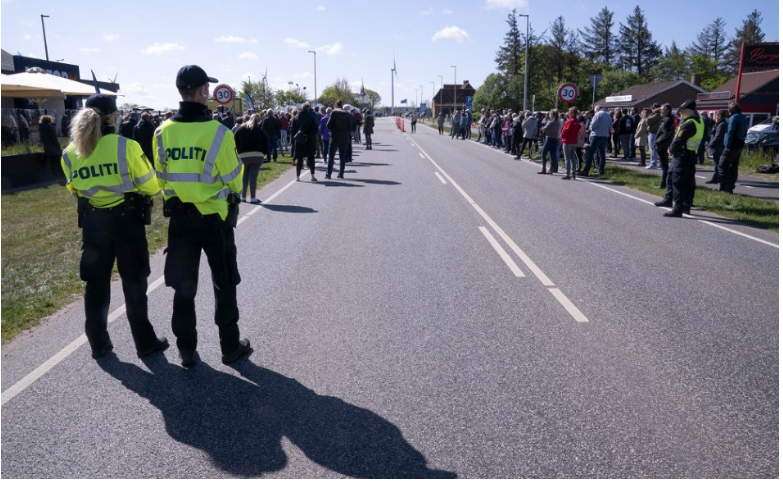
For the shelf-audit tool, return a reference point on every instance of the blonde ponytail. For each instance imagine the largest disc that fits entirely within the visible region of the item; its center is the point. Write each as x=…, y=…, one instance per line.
x=86, y=130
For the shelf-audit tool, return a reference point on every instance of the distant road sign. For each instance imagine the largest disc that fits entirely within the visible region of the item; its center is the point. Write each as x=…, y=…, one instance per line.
x=469, y=102
x=595, y=79
x=568, y=92
x=223, y=94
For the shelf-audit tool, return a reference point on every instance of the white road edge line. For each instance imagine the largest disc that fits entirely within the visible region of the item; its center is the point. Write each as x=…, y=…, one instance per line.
x=503, y=255
x=569, y=306
x=441, y=178
x=420, y=155
x=50, y=363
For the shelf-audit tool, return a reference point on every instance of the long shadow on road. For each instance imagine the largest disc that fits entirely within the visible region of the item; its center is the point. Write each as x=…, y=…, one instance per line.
x=240, y=423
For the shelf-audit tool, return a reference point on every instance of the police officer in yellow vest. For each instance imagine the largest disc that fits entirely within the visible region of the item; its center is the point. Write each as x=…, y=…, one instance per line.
x=683, y=164
x=112, y=180
x=201, y=177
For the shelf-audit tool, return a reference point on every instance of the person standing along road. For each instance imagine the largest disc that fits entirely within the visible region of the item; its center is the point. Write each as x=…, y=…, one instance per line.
x=143, y=133
x=201, y=177
x=733, y=143
x=126, y=128
x=284, y=132
x=306, y=139
x=51, y=145
x=463, y=124
x=600, y=128
x=530, y=127
x=369, y=125
x=325, y=134
x=414, y=119
x=551, y=131
x=653, y=124
x=517, y=137
x=271, y=127
x=455, y=121
x=641, y=138
x=626, y=134
x=113, y=182
x=339, y=125
x=570, y=137
x=441, y=119
x=716, y=146
x=663, y=140
x=252, y=145
x=684, y=150
x=319, y=145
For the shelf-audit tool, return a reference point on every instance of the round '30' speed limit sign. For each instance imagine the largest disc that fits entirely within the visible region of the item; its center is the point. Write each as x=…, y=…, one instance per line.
x=568, y=92
x=223, y=94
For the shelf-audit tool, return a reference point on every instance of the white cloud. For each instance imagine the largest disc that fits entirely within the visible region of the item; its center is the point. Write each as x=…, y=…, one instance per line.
x=27, y=37
x=427, y=12
x=160, y=48
x=507, y=4
x=296, y=43
x=233, y=39
x=248, y=55
x=110, y=37
x=331, y=49
x=446, y=11
x=89, y=50
x=453, y=33
x=305, y=75
x=134, y=88
x=321, y=8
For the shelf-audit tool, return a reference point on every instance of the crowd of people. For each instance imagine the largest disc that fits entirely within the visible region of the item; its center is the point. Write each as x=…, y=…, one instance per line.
x=586, y=139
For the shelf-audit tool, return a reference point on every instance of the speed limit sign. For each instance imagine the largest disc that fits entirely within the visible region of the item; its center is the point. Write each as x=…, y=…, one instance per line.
x=568, y=92
x=223, y=94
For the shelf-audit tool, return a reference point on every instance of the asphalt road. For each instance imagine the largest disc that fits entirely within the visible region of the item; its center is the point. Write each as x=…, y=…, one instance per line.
x=441, y=312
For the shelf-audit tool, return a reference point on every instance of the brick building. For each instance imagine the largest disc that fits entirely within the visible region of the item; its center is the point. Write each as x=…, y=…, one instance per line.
x=446, y=102
x=674, y=92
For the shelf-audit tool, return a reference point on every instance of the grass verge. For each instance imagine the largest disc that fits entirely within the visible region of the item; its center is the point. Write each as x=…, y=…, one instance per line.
x=41, y=247
x=750, y=210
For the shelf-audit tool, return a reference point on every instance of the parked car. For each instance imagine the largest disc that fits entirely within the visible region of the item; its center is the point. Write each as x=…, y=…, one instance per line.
x=766, y=140
x=765, y=126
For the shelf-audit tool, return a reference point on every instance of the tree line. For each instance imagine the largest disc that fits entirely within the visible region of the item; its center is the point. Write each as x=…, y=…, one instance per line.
x=266, y=97
x=625, y=56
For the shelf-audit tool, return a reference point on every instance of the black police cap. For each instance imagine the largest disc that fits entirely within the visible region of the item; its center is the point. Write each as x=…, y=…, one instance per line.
x=104, y=104
x=688, y=104
x=192, y=76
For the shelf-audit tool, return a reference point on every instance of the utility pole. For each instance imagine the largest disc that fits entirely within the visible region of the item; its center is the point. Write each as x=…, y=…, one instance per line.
x=315, y=78
x=46, y=49
x=433, y=98
x=527, y=43
x=455, y=87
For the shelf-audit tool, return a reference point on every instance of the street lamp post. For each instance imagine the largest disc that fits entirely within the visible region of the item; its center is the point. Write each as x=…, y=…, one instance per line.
x=315, y=78
x=455, y=87
x=527, y=42
x=421, y=99
x=433, y=98
x=440, y=102
x=46, y=48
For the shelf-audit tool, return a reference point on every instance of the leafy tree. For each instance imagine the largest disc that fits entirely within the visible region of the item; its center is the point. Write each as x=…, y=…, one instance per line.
x=558, y=40
x=707, y=68
x=615, y=80
x=373, y=97
x=260, y=93
x=508, y=57
x=712, y=42
x=672, y=65
x=290, y=97
x=494, y=93
x=750, y=32
x=637, y=48
x=599, y=44
x=339, y=90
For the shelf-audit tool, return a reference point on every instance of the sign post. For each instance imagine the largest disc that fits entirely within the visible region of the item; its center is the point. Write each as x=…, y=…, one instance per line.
x=595, y=80
x=223, y=94
x=568, y=92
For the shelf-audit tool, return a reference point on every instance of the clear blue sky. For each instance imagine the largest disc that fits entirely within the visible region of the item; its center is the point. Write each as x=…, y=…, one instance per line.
x=144, y=43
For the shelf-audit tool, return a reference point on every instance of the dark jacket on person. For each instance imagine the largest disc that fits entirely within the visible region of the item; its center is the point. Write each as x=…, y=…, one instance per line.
x=718, y=133
x=49, y=139
x=340, y=125
x=736, y=131
x=126, y=128
x=665, y=133
x=517, y=132
x=143, y=133
x=687, y=130
x=626, y=126
x=308, y=132
x=369, y=124
x=654, y=122
x=251, y=139
x=271, y=126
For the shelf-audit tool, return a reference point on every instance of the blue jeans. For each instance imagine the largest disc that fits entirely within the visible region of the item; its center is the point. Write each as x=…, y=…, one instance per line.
x=326, y=149
x=552, y=147
x=597, y=146
x=272, y=148
x=625, y=142
x=284, y=139
x=343, y=149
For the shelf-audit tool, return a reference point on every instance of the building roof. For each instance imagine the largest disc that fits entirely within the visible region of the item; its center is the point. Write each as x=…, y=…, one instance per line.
x=752, y=88
x=643, y=93
x=448, y=93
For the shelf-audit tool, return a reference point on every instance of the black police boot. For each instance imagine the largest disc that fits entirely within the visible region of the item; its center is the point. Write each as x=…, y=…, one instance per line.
x=236, y=354
x=160, y=344
x=189, y=358
x=99, y=353
x=663, y=203
x=673, y=213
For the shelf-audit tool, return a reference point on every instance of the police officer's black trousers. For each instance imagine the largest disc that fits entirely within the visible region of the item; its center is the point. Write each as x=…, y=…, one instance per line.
x=189, y=234
x=110, y=234
x=683, y=175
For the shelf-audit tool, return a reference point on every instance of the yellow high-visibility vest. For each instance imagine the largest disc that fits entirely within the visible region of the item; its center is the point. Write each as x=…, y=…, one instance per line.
x=693, y=143
x=116, y=166
x=198, y=163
